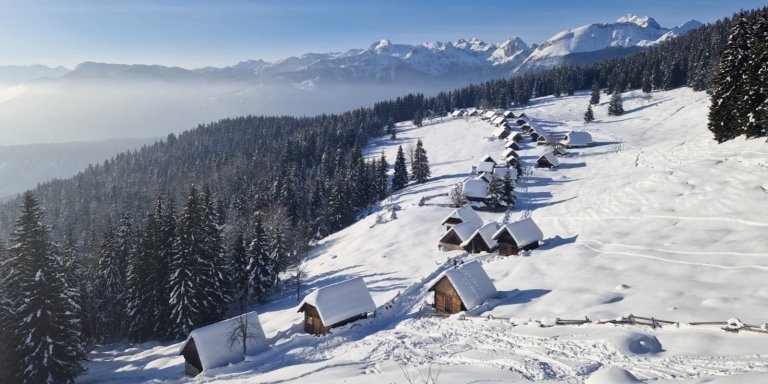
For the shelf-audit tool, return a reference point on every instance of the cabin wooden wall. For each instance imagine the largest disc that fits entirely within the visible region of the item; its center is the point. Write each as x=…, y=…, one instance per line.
x=312, y=322
x=192, y=366
x=446, y=298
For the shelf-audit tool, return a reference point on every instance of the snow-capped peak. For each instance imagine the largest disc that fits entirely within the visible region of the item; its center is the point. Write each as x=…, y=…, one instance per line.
x=383, y=43
x=644, y=21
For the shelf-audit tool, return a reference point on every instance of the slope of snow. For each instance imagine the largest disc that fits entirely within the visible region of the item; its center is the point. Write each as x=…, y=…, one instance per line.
x=653, y=219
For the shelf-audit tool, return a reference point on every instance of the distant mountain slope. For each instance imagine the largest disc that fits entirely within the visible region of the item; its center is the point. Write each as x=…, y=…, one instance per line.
x=13, y=74
x=627, y=35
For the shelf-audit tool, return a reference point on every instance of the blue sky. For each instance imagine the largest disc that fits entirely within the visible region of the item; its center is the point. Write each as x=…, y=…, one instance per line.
x=194, y=33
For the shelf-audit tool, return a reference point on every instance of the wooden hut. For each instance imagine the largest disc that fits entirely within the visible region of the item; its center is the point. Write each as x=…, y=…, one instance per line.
x=509, y=152
x=210, y=346
x=534, y=136
x=464, y=214
x=336, y=305
x=488, y=158
x=475, y=189
x=501, y=172
x=512, y=144
x=542, y=140
x=547, y=160
x=462, y=288
x=517, y=236
x=501, y=133
x=508, y=114
x=482, y=239
x=457, y=235
x=576, y=139
x=485, y=166
x=513, y=162
x=521, y=121
x=560, y=152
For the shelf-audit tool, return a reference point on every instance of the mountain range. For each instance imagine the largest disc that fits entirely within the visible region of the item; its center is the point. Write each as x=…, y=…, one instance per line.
x=464, y=60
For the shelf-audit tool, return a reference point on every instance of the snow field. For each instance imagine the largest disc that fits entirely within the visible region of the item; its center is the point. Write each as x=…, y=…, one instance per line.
x=655, y=219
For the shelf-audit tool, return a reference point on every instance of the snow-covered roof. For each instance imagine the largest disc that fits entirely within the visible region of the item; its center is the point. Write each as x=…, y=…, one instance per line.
x=489, y=114
x=524, y=232
x=488, y=158
x=475, y=188
x=471, y=283
x=551, y=158
x=464, y=230
x=487, y=176
x=500, y=132
x=509, y=144
x=466, y=214
x=510, y=152
x=509, y=114
x=213, y=342
x=502, y=171
x=486, y=232
x=456, y=113
x=499, y=120
x=340, y=301
x=577, y=139
x=485, y=166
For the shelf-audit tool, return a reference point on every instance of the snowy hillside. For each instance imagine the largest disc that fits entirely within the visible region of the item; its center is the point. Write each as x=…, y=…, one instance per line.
x=629, y=33
x=654, y=219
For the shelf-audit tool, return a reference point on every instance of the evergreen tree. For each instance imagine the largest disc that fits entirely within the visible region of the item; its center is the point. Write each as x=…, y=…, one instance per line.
x=278, y=251
x=140, y=300
x=495, y=192
x=391, y=128
x=187, y=298
x=260, y=267
x=110, y=286
x=420, y=166
x=339, y=211
x=508, y=190
x=214, y=274
x=45, y=329
x=753, y=95
x=616, y=107
x=162, y=272
x=418, y=118
x=595, y=96
x=382, y=180
x=400, y=177
x=240, y=273
x=726, y=121
x=589, y=116
x=125, y=242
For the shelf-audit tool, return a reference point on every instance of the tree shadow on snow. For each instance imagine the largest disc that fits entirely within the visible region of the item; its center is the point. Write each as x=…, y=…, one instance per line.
x=524, y=296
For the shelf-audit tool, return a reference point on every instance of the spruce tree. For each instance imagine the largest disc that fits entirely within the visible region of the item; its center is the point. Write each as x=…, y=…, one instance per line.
x=418, y=118
x=616, y=107
x=508, y=190
x=260, y=267
x=140, y=301
x=595, y=96
x=240, y=273
x=400, y=177
x=754, y=81
x=110, y=286
x=589, y=116
x=382, y=180
x=45, y=329
x=214, y=275
x=495, y=192
x=166, y=254
x=420, y=166
x=278, y=251
x=726, y=121
x=187, y=297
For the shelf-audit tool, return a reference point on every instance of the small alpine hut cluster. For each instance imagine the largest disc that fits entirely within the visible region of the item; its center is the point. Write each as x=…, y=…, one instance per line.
x=519, y=236
x=462, y=288
x=475, y=188
x=336, y=305
x=222, y=343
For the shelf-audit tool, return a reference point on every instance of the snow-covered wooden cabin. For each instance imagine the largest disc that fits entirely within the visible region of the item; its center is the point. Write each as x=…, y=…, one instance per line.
x=526, y=128
x=520, y=121
x=457, y=235
x=547, y=160
x=517, y=236
x=542, y=140
x=485, y=166
x=488, y=115
x=508, y=114
x=576, y=139
x=560, y=151
x=502, y=171
x=523, y=116
x=221, y=343
x=501, y=132
x=462, y=288
x=475, y=189
x=472, y=112
x=482, y=239
x=499, y=121
x=512, y=144
x=485, y=176
x=336, y=305
x=509, y=152
x=457, y=113
x=489, y=159
x=517, y=138
x=464, y=214
x=513, y=162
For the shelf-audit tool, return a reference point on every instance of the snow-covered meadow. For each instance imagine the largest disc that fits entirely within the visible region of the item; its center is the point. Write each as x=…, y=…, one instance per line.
x=654, y=219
